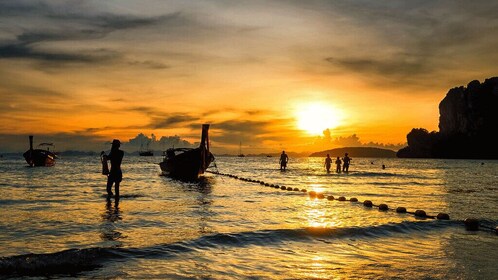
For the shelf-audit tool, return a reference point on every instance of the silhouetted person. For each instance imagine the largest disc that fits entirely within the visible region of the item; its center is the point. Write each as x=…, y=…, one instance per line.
x=115, y=175
x=346, y=161
x=383, y=166
x=338, y=164
x=328, y=163
x=283, y=160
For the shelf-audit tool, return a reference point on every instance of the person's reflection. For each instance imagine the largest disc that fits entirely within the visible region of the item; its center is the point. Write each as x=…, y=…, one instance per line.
x=109, y=218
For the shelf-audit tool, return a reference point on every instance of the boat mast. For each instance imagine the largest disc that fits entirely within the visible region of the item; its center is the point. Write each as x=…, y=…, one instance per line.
x=204, y=146
x=31, y=143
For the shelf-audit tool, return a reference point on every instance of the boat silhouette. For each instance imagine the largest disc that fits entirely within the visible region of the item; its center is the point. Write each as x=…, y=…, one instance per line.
x=188, y=163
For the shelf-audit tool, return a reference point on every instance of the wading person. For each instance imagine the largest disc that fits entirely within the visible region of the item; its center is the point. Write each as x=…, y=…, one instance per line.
x=346, y=161
x=328, y=163
x=115, y=175
x=338, y=165
x=283, y=160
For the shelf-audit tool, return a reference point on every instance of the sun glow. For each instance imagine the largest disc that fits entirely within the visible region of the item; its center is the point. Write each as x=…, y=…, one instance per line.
x=316, y=117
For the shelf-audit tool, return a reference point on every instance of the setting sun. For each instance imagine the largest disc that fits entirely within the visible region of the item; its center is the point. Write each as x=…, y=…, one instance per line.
x=316, y=117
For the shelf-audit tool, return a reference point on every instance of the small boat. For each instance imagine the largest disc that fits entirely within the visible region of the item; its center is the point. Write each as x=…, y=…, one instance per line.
x=41, y=156
x=147, y=152
x=188, y=163
x=240, y=150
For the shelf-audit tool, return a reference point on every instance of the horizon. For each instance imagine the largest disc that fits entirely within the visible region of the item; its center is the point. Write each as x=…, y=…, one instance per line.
x=268, y=76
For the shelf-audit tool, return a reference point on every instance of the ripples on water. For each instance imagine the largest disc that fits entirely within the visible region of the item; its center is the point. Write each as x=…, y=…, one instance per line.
x=56, y=221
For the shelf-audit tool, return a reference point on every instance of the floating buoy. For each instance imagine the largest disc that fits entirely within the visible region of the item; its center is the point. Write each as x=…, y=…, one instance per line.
x=266, y=184
x=471, y=224
x=296, y=189
x=304, y=190
x=283, y=188
x=290, y=189
x=320, y=196
x=262, y=183
x=443, y=216
x=277, y=187
x=330, y=197
x=272, y=185
x=420, y=213
x=341, y=198
x=383, y=207
x=367, y=203
x=353, y=199
x=312, y=194
x=401, y=210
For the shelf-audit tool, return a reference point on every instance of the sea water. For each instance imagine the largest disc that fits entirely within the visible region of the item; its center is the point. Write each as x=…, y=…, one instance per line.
x=56, y=222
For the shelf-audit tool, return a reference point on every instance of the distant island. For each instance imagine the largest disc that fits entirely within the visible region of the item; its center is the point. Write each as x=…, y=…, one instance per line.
x=468, y=123
x=367, y=152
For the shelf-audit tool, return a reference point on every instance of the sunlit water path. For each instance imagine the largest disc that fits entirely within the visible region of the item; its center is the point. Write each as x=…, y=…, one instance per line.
x=223, y=228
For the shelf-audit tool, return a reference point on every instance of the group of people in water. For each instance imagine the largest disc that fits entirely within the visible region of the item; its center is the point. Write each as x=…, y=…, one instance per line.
x=338, y=162
x=341, y=165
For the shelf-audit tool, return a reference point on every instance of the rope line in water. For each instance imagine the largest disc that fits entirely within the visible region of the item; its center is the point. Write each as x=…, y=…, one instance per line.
x=471, y=224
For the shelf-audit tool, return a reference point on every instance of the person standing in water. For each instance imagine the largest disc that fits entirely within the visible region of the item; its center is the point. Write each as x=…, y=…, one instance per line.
x=115, y=175
x=328, y=163
x=338, y=164
x=283, y=160
x=346, y=161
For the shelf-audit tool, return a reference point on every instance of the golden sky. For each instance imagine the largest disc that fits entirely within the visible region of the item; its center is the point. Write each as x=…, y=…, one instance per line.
x=271, y=75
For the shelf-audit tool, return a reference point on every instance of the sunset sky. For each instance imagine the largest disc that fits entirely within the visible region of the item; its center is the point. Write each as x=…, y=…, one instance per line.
x=271, y=75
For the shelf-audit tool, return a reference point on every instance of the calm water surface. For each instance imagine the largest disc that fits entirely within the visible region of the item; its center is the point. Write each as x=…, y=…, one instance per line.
x=55, y=222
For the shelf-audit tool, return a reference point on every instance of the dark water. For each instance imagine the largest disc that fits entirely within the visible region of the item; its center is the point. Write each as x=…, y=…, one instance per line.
x=55, y=222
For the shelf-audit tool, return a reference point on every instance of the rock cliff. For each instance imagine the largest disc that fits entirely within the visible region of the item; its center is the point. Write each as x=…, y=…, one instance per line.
x=468, y=125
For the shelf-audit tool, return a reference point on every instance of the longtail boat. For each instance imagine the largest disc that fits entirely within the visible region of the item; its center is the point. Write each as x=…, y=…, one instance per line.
x=188, y=163
x=40, y=156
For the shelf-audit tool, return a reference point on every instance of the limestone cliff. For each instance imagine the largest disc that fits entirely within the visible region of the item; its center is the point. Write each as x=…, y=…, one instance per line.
x=468, y=124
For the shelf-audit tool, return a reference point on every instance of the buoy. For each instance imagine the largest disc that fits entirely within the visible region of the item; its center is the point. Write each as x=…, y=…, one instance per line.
x=312, y=194
x=471, y=224
x=283, y=188
x=401, y=210
x=443, y=216
x=304, y=190
x=341, y=198
x=296, y=189
x=290, y=189
x=367, y=203
x=262, y=183
x=320, y=196
x=267, y=184
x=272, y=185
x=420, y=213
x=383, y=207
x=277, y=187
x=330, y=197
x=353, y=199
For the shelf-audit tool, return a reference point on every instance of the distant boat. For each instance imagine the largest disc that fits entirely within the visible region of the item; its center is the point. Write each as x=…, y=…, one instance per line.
x=147, y=152
x=188, y=163
x=40, y=156
x=240, y=151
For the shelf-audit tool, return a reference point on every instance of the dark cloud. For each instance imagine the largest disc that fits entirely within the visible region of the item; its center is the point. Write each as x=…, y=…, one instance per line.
x=29, y=52
x=172, y=121
x=63, y=24
x=149, y=64
x=395, y=66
